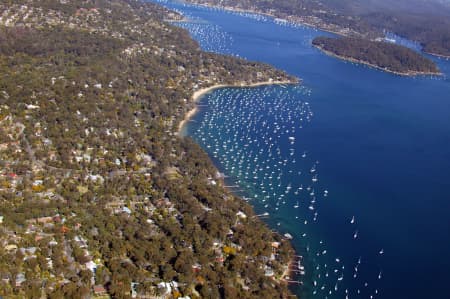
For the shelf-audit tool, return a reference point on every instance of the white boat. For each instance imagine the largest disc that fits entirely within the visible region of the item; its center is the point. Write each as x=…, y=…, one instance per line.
x=288, y=236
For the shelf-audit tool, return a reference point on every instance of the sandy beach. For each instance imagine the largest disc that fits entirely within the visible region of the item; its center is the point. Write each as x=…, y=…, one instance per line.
x=197, y=95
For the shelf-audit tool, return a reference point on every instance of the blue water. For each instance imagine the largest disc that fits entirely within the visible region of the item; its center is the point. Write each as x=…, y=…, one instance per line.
x=383, y=147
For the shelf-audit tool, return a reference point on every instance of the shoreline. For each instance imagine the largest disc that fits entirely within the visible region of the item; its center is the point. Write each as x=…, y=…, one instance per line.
x=318, y=27
x=437, y=55
x=404, y=74
x=198, y=94
x=271, y=15
x=287, y=274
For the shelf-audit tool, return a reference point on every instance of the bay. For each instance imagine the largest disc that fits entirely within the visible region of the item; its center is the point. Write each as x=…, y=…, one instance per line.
x=382, y=143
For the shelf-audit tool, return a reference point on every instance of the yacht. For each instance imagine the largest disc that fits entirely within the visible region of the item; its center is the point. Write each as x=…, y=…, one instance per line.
x=288, y=236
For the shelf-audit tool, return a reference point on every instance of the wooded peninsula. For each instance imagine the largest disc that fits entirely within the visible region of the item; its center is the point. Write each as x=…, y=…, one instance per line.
x=382, y=55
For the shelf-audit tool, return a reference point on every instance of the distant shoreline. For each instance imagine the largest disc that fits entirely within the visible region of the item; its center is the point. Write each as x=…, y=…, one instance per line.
x=197, y=95
x=437, y=55
x=270, y=15
x=405, y=74
x=313, y=26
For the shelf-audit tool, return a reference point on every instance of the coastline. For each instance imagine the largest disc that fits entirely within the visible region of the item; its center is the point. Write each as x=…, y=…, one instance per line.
x=195, y=98
x=274, y=16
x=182, y=20
x=287, y=273
x=438, y=55
x=198, y=94
x=405, y=74
x=207, y=108
x=322, y=28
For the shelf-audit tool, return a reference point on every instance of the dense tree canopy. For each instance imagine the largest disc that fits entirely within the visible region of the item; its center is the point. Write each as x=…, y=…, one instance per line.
x=97, y=192
x=384, y=55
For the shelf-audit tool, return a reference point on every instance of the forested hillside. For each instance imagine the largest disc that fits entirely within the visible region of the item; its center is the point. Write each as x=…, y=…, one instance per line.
x=98, y=195
x=384, y=55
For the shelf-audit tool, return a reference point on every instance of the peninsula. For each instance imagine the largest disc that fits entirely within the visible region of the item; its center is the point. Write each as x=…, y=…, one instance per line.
x=381, y=55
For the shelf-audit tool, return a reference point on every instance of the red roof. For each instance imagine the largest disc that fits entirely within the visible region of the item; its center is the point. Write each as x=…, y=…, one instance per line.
x=99, y=289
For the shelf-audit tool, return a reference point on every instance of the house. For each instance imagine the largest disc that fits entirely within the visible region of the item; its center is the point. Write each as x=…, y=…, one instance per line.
x=91, y=266
x=99, y=290
x=28, y=250
x=52, y=243
x=133, y=286
x=44, y=220
x=125, y=210
x=241, y=215
x=5, y=278
x=275, y=246
x=10, y=247
x=196, y=267
x=269, y=272
x=81, y=242
x=166, y=287
x=20, y=278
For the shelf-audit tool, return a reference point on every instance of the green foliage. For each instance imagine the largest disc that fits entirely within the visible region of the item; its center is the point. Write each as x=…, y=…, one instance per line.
x=94, y=94
x=382, y=54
